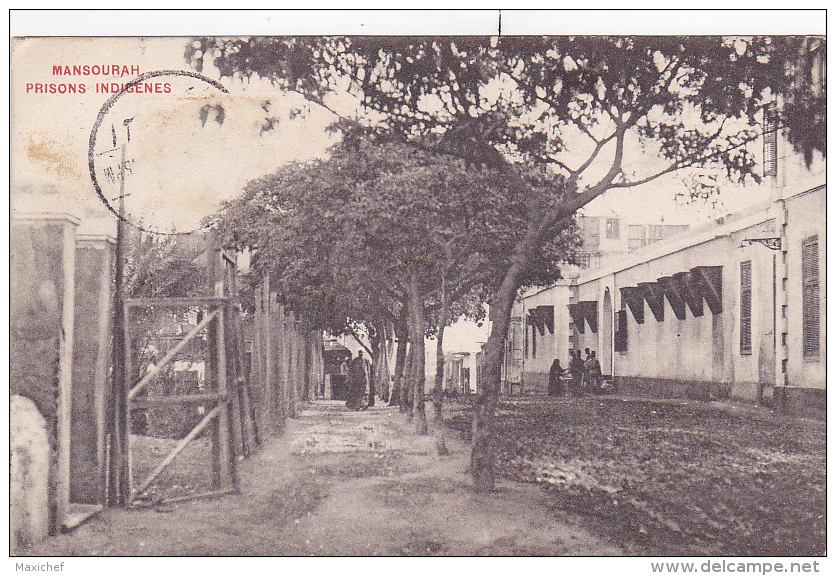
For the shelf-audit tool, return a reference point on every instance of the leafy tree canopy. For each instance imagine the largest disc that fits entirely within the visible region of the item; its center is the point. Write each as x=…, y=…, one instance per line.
x=532, y=97
x=341, y=234
x=162, y=266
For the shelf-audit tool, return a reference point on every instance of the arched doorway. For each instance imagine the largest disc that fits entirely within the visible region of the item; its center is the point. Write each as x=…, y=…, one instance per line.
x=605, y=353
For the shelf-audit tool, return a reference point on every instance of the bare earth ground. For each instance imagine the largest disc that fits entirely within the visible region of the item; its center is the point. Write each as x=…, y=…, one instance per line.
x=670, y=477
x=345, y=483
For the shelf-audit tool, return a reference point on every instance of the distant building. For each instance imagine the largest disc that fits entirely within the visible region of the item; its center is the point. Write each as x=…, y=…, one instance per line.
x=604, y=237
x=459, y=373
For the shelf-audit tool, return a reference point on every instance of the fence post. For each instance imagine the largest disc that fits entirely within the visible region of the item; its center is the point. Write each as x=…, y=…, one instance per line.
x=267, y=356
x=240, y=381
x=292, y=357
x=305, y=362
x=221, y=441
x=281, y=358
x=290, y=347
x=299, y=361
x=126, y=471
x=316, y=364
x=257, y=359
x=237, y=433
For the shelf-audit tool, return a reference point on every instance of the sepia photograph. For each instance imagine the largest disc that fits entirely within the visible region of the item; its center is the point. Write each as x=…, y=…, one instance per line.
x=419, y=283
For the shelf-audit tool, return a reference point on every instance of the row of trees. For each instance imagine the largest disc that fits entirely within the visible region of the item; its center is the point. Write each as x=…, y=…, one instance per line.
x=391, y=238
x=519, y=132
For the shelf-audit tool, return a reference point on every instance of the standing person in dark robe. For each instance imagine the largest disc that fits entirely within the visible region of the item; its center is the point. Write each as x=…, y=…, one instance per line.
x=576, y=367
x=555, y=384
x=586, y=365
x=594, y=373
x=356, y=382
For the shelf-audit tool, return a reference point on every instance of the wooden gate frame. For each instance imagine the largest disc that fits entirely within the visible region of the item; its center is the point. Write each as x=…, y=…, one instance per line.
x=221, y=399
x=230, y=426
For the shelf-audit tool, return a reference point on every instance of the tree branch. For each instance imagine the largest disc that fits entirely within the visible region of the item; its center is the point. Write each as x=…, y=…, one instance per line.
x=685, y=163
x=576, y=174
x=360, y=342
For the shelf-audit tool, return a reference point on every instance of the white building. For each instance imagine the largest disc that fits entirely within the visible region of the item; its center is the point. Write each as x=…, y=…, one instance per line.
x=736, y=308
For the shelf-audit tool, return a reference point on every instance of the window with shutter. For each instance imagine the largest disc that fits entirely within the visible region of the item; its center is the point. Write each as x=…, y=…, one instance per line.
x=746, y=307
x=591, y=234
x=636, y=237
x=613, y=228
x=810, y=297
x=770, y=141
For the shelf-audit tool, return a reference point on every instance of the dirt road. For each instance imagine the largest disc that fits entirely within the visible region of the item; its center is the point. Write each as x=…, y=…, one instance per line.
x=344, y=483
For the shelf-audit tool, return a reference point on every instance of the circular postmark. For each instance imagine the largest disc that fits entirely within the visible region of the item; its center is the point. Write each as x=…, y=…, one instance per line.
x=100, y=118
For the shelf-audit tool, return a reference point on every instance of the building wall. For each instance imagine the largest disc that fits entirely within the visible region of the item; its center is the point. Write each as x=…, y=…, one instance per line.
x=702, y=356
x=459, y=372
x=607, y=238
x=587, y=291
x=704, y=348
x=514, y=357
x=801, y=382
x=541, y=349
x=805, y=218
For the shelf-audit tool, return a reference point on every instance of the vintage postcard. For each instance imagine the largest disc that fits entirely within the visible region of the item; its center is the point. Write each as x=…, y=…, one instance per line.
x=514, y=284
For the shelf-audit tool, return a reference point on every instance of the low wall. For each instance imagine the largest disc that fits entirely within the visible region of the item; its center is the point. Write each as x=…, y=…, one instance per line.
x=535, y=383
x=803, y=402
x=669, y=388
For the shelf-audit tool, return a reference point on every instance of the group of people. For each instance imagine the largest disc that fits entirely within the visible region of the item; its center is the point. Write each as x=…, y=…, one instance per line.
x=586, y=374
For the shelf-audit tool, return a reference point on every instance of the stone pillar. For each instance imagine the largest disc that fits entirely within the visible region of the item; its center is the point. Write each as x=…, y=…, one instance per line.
x=42, y=274
x=91, y=358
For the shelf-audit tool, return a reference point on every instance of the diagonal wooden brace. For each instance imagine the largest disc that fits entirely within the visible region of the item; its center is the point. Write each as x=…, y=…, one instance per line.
x=168, y=357
x=179, y=448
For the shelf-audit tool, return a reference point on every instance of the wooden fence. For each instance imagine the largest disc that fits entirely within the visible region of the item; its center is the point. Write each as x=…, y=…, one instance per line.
x=250, y=388
x=286, y=364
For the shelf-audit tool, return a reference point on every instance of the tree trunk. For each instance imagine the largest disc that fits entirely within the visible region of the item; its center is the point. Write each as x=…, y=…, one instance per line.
x=406, y=381
x=374, y=375
x=443, y=319
x=416, y=314
x=400, y=365
x=482, y=456
x=383, y=369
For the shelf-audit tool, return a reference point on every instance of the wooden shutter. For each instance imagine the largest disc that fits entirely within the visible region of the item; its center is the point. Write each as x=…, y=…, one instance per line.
x=746, y=307
x=592, y=234
x=621, y=331
x=533, y=340
x=613, y=231
x=770, y=141
x=810, y=296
